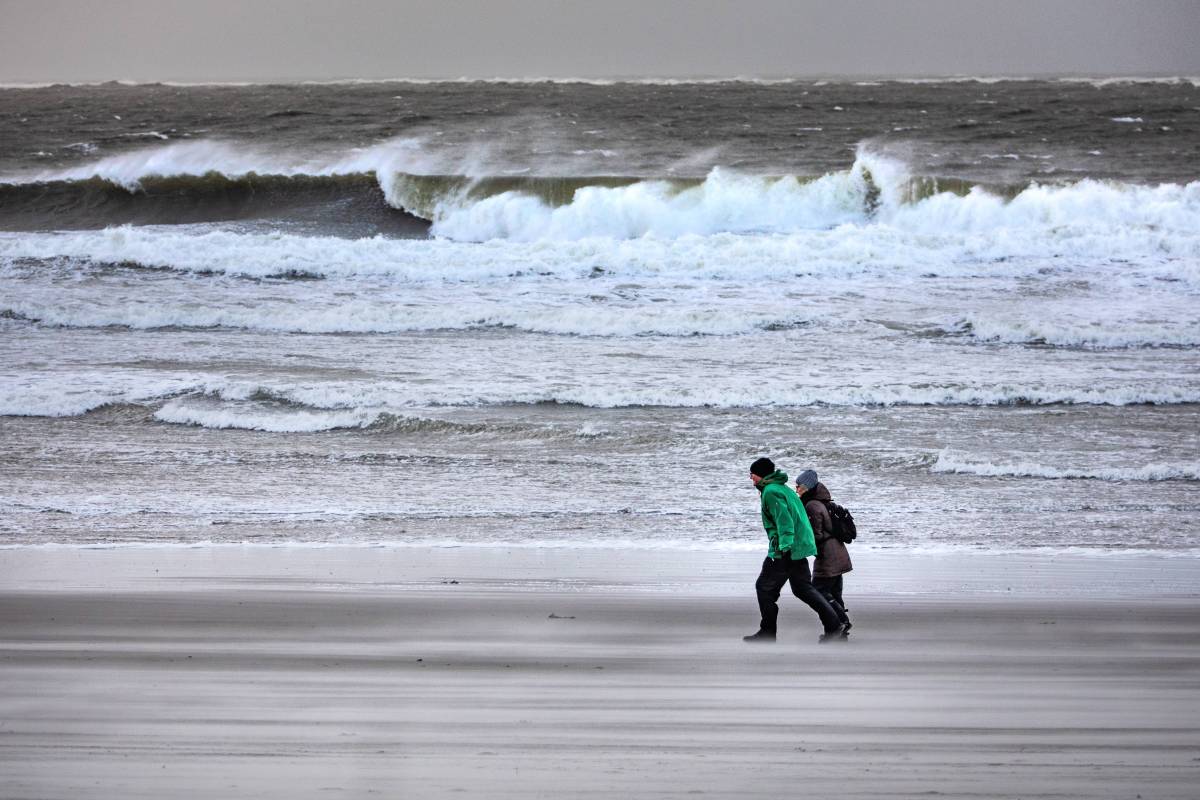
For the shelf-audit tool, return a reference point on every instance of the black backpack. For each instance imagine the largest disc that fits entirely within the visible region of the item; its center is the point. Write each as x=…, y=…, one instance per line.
x=844, y=529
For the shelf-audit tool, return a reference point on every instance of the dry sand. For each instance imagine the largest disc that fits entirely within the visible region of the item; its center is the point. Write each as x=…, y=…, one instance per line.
x=140, y=684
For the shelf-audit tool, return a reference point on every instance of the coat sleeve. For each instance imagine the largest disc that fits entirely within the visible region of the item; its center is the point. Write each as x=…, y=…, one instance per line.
x=785, y=527
x=816, y=518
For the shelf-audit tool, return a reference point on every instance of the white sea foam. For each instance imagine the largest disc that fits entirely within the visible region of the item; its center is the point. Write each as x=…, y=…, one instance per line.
x=788, y=396
x=392, y=315
x=816, y=228
x=179, y=158
x=237, y=159
x=1147, y=320
x=23, y=403
x=1093, y=217
x=48, y=396
x=146, y=135
x=325, y=406
x=1100, y=83
x=874, y=193
x=1085, y=209
x=292, y=420
x=949, y=462
x=724, y=203
x=338, y=414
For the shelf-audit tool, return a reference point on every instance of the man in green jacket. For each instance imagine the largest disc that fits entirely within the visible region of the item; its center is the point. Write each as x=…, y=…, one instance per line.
x=789, y=544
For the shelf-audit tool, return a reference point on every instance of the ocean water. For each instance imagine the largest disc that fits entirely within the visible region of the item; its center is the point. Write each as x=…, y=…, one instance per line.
x=484, y=314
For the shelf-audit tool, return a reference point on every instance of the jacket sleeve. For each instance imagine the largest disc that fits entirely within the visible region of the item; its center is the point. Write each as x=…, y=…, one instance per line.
x=785, y=528
x=816, y=518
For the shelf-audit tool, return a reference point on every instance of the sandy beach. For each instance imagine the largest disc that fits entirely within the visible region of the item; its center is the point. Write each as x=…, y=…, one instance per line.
x=252, y=673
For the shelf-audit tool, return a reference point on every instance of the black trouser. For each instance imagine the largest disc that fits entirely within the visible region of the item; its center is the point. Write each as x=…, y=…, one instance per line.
x=778, y=571
x=831, y=588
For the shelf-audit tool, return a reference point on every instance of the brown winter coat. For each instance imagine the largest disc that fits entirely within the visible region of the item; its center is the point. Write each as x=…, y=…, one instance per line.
x=833, y=558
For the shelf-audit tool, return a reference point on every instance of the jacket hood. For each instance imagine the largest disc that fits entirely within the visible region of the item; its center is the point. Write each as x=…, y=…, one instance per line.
x=778, y=476
x=819, y=492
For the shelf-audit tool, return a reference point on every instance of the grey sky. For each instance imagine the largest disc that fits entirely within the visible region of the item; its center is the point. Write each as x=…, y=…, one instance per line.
x=227, y=40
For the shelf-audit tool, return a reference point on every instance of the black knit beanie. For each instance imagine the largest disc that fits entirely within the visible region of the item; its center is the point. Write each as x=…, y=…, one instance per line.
x=762, y=467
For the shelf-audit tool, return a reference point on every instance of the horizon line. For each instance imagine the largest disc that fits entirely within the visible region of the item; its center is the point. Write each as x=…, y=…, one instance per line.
x=665, y=80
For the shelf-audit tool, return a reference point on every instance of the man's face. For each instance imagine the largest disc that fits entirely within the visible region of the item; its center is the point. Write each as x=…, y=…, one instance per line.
x=756, y=480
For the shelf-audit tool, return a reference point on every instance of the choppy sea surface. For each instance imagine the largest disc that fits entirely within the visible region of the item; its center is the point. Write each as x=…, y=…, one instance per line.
x=565, y=314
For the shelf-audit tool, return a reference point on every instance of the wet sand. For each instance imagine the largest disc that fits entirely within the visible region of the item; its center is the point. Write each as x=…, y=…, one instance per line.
x=294, y=687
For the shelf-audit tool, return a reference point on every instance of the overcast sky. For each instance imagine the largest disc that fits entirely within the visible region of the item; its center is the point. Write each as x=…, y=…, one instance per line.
x=229, y=40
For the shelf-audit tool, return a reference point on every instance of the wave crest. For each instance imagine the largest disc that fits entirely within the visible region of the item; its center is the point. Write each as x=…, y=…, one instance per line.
x=349, y=201
x=399, y=188
x=1173, y=322
x=219, y=403
x=950, y=463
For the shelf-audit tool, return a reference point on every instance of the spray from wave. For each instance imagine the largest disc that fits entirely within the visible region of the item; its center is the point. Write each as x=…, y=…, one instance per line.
x=822, y=227
x=874, y=191
x=470, y=199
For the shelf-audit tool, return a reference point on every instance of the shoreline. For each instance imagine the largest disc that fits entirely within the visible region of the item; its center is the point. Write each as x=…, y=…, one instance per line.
x=728, y=573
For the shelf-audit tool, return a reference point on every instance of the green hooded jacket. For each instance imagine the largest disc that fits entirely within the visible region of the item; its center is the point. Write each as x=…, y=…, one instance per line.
x=784, y=519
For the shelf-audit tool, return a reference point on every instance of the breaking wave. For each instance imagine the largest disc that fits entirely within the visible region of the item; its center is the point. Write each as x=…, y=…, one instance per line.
x=95, y=202
x=725, y=201
x=1174, y=322
x=288, y=417
x=388, y=316
x=649, y=228
x=320, y=407
x=388, y=189
x=398, y=189
x=948, y=462
x=292, y=420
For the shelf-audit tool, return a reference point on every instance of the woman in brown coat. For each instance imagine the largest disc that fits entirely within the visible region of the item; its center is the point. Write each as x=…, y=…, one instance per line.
x=833, y=559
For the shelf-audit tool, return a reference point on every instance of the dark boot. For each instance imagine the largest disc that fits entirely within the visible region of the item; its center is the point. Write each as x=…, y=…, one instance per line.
x=841, y=634
x=760, y=636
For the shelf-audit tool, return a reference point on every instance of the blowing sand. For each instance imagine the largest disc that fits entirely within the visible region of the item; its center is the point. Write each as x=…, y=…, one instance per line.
x=277, y=684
